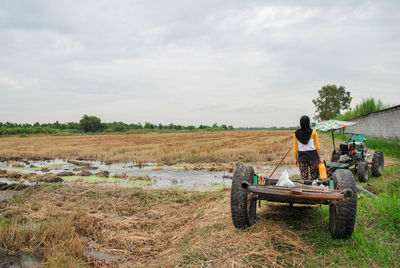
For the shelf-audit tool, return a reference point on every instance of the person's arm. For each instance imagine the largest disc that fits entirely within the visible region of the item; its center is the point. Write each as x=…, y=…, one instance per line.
x=316, y=144
x=296, y=149
x=319, y=155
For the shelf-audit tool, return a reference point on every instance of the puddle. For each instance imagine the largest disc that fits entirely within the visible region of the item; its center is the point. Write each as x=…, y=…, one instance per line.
x=4, y=180
x=162, y=176
x=266, y=171
x=19, y=261
x=90, y=253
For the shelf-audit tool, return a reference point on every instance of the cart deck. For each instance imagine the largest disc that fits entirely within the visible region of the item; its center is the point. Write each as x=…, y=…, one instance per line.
x=341, y=196
x=298, y=194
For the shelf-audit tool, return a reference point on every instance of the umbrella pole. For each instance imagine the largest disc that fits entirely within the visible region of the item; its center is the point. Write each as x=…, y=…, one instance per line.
x=333, y=140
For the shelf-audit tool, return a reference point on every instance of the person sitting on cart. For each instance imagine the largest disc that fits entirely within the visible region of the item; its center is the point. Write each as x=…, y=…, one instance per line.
x=306, y=150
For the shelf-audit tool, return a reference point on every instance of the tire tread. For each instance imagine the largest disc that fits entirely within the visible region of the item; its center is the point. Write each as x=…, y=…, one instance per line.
x=344, y=219
x=239, y=196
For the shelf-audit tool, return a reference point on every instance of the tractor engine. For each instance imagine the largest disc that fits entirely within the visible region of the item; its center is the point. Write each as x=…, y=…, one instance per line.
x=345, y=153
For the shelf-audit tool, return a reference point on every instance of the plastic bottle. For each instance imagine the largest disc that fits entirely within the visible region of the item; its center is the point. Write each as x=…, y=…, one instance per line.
x=322, y=171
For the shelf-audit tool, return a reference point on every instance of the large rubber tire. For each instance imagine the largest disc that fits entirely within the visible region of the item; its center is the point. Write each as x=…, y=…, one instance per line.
x=342, y=217
x=377, y=164
x=363, y=171
x=335, y=156
x=243, y=207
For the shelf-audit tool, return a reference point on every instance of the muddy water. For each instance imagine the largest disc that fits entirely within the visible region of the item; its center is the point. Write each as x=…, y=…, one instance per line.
x=163, y=176
x=4, y=180
x=19, y=261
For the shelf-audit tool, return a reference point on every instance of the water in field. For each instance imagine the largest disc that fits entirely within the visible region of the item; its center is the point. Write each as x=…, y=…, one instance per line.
x=162, y=176
x=19, y=261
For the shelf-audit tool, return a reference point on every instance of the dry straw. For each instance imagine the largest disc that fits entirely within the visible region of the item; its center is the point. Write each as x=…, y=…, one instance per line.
x=165, y=148
x=142, y=227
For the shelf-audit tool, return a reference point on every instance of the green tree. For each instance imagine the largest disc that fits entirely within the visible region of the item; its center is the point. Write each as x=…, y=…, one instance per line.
x=118, y=126
x=331, y=100
x=91, y=124
x=148, y=125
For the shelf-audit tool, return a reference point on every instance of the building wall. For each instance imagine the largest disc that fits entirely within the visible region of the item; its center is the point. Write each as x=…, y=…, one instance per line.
x=383, y=124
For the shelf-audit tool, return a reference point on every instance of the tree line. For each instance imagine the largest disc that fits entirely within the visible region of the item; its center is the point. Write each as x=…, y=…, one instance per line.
x=93, y=124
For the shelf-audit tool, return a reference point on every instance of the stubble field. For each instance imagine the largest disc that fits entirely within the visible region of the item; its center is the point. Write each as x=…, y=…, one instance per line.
x=88, y=224
x=161, y=148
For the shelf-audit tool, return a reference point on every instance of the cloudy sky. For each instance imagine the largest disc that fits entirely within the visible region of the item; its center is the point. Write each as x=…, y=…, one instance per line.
x=245, y=63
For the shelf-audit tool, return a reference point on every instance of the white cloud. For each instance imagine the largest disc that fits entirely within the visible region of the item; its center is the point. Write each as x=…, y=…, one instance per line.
x=246, y=63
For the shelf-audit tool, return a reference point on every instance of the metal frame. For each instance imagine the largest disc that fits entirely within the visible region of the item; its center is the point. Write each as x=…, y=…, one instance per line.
x=299, y=194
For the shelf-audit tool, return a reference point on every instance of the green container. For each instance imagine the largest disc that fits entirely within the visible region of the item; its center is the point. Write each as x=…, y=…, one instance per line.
x=331, y=184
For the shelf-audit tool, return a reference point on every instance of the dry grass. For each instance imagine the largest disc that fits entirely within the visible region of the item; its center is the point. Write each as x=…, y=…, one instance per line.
x=86, y=224
x=135, y=227
x=164, y=148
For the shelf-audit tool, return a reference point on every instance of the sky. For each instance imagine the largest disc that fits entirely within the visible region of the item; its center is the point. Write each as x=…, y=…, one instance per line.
x=241, y=63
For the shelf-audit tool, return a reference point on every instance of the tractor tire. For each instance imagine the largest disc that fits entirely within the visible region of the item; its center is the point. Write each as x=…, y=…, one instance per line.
x=363, y=172
x=342, y=216
x=335, y=156
x=243, y=207
x=377, y=164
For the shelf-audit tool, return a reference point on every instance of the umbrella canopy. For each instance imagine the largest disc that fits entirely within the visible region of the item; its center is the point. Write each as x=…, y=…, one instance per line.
x=333, y=125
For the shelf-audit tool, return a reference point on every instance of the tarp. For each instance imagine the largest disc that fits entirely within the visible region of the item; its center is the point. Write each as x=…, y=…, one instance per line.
x=333, y=125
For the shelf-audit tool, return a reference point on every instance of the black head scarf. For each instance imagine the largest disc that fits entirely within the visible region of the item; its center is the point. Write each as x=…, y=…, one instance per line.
x=304, y=133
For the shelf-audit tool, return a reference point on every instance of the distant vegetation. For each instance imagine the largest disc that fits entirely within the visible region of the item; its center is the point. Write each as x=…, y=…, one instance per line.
x=367, y=106
x=268, y=128
x=93, y=124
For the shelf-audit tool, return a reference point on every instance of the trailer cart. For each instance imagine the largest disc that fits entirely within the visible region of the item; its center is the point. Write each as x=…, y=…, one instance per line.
x=341, y=196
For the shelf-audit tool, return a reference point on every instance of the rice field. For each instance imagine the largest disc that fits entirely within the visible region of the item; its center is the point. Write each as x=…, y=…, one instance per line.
x=85, y=224
x=72, y=225
x=161, y=148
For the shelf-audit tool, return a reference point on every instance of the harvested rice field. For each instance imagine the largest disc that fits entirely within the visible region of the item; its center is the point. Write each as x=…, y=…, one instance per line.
x=146, y=200
x=67, y=225
x=161, y=148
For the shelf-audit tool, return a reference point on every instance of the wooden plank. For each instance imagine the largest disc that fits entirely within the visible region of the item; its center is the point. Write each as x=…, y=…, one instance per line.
x=306, y=195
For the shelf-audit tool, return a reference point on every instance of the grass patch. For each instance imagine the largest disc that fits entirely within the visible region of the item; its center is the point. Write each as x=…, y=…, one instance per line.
x=389, y=148
x=389, y=179
x=375, y=240
x=177, y=195
x=94, y=178
x=219, y=186
x=392, y=171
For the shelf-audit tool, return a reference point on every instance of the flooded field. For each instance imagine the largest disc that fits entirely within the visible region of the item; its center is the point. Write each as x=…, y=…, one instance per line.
x=69, y=211
x=128, y=174
x=9, y=261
